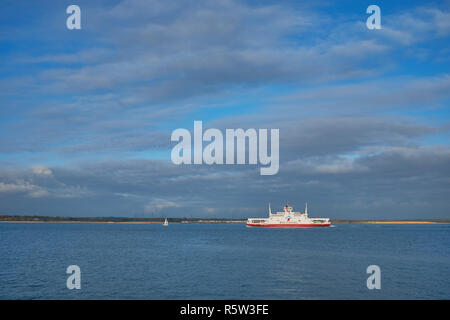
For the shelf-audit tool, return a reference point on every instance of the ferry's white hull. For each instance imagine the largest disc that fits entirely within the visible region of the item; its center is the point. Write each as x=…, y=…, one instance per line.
x=288, y=225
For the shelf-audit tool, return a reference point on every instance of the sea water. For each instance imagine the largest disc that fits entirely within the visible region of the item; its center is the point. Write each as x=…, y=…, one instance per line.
x=223, y=261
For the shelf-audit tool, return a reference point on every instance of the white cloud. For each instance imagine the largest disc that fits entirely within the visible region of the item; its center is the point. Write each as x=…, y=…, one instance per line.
x=210, y=210
x=24, y=187
x=39, y=193
x=12, y=187
x=159, y=204
x=41, y=170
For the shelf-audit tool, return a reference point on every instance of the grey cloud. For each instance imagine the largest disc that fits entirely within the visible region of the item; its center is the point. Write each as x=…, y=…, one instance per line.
x=333, y=135
x=372, y=96
x=399, y=182
x=198, y=47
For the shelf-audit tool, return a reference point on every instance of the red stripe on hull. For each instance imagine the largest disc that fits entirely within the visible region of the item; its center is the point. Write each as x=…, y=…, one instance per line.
x=291, y=225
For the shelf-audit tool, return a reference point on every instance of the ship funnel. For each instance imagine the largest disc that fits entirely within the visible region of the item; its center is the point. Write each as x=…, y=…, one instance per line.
x=306, y=208
x=270, y=211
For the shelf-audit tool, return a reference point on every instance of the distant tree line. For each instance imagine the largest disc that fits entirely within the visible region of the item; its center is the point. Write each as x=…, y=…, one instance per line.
x=110, y=219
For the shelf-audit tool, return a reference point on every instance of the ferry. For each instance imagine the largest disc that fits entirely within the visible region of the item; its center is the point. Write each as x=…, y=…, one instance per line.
x=288, y=219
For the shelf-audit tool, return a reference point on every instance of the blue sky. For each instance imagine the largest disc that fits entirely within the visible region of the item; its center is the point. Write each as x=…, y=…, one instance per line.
x=86, y=115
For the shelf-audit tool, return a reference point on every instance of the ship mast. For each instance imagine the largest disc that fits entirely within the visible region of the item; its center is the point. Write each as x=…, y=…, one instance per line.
x=270, y=211
x=306, y=208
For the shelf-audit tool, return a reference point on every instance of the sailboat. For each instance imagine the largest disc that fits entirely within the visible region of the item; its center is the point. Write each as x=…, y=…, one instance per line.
x=166, y=223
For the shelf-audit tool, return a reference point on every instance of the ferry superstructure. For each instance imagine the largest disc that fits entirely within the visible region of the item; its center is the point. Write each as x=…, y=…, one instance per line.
x=288, y=219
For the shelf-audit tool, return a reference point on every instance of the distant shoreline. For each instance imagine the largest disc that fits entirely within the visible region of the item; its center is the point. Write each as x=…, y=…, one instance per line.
x=394, y=222
x=46, y=219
